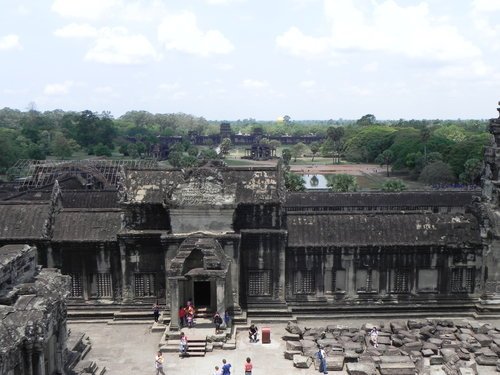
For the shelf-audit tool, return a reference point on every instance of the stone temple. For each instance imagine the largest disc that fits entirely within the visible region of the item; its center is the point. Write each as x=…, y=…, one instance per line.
x=131, y=234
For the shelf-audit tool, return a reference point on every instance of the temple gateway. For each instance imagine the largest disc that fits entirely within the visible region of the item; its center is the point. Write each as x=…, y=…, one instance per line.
x=131, y=234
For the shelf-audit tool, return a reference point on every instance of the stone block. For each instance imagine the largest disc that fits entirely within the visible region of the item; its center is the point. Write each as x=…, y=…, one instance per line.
x=301, y=361
x=294, y=345
x=453, y=344
x=466, y=371
x=427, y=352
x=290, y=337
x=436, y=360
x=484, y=360
x=361, y=369
x=414, y=345
x=335, y=363
x=397, y=326
x=416, y=324
x=401, y=368
x=482, y=339
x=290, y=353
x=450, y=355
x=293, y=328
x=436, y=341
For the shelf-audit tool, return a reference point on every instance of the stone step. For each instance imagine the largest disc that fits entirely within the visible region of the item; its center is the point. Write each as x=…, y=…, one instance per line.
x=133, y=321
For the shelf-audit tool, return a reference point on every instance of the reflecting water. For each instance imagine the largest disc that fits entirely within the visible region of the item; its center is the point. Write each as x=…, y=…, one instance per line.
x=315, y=181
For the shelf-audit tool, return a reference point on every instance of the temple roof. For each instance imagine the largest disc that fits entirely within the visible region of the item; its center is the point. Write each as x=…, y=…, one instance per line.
x=381, y=230
x=382, y=199
x=202, y=186
x=89, y=198
x=22, y=220
x=79, y=225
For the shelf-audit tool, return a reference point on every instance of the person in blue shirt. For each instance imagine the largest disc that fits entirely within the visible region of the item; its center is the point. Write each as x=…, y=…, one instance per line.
x=226, y=368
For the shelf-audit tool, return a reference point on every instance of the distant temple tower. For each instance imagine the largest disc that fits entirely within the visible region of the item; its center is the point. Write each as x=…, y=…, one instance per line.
x=225, y=130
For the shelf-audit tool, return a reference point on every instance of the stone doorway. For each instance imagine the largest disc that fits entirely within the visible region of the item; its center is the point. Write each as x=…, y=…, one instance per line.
x=202, y=294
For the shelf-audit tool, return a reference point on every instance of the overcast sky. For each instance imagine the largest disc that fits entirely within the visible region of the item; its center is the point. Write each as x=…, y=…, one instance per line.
x=235, y=59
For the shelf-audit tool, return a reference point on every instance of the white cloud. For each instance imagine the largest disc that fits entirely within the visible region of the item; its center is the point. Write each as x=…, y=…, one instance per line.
x=54, y=89
x=170, y=86
x=116, y=46
x=181, y=32
x=223, y=2
x=254, y=84
x=10, y=41
x=75, y=30
x=88, y=9
x=486, y=5
x=302, y=45
x=384, y=26
x=104, y=90
x=370, y=67
x=307, y=84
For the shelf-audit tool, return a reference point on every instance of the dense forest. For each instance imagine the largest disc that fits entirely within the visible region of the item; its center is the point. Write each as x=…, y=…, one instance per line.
x=449, y=149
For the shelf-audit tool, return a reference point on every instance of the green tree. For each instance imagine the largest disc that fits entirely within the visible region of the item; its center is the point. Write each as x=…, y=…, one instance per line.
x=208, y=154
x=472, y=172
x=437, y=173
x=385, y=158
x=294, y=182
x=61, y=147
x=225, y=146
x=314, y=147
x=393, y=186
x=175, y=158
x=366, y=120
x=335, y=142
x=102, y=150
x=286, y=155
x=298, y=149
x=342, y=182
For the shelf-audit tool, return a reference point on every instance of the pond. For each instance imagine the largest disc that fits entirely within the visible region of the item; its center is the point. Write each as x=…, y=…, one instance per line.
x=315, y=181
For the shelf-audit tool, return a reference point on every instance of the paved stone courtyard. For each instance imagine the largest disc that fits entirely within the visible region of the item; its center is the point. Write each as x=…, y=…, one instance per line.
x=130, y=350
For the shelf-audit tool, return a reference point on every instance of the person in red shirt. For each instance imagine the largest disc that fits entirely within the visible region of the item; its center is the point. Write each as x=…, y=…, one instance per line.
x=248, y=366
x=182, y=316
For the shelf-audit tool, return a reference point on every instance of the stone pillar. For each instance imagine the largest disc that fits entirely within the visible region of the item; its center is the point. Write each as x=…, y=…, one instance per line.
x=174, y=303
x=50, y=257
x=40, y=364
x=282, y=271
x=328, y=278
x=234, y=278
x=29, y=360
x=220, y=287
x=61, y=346
x=126, y=297
x=491, y=267
x=351, y=276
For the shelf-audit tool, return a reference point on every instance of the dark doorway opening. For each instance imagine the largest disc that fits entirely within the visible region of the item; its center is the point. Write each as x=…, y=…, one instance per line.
x=201, y=293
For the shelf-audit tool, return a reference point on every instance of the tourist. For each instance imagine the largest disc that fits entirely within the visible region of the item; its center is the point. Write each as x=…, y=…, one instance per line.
x=226, y=368
x=159, y=363
x=156, y=312
x=374, y=337
x=253, y=333
x=190, y=315
x=217, y=321
x=217, y=371
x=248, y=366
x=227, y=318
x=182, y=316
x=183, y=345
x=321, y=354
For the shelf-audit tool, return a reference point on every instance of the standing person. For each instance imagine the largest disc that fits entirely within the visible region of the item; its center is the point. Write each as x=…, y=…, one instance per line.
x=182, y=316
x=217, y=321
x=322, y=360
x=227, y=318
x=159, y=363
x=183, y=344
x=374, y=337
x=156, y=312
x=248, y=366
x=226, y=368
x=217, y=371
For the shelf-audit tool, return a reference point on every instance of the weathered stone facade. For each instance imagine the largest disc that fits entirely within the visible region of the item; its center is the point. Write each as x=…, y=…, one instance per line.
x=234, y=239
x=33, y=314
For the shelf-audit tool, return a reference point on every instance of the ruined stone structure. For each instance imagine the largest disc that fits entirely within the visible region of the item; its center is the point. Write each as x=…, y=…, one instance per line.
x=33, y=314
x=234, y=239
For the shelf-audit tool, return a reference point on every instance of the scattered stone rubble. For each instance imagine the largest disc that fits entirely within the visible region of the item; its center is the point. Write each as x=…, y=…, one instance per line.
x=404, y=348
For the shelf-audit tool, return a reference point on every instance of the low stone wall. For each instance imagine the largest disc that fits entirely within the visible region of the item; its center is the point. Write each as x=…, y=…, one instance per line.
x=404, y=347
